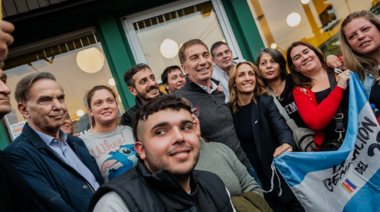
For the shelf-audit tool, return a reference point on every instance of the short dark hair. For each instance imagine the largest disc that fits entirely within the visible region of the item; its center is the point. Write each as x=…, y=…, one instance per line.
x=298, y=78
x=132, y=71
x=167, y=71
x=181, y=52
x=277, y=57
x=216, y=45
x=24, y=85
x=157, y=104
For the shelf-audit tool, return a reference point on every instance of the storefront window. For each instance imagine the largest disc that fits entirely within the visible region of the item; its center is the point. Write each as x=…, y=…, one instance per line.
x=76, y=60
x=157, y=39
x=315, y=21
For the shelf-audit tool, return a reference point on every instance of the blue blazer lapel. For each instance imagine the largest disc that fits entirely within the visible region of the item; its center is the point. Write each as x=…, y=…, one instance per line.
x=256, y=114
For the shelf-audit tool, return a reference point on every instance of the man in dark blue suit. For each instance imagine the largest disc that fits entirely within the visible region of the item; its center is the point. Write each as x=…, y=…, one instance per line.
x=60, y=171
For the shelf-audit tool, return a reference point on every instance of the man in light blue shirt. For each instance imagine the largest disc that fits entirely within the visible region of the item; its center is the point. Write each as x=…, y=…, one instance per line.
x=223, y=62
x=60, y=171
x=63, y=151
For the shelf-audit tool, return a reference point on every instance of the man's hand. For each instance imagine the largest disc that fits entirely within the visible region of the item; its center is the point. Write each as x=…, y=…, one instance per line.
x=6, y=38
x=281, y=149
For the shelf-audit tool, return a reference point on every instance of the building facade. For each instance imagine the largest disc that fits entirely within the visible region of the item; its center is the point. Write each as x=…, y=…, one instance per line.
x=93, y=42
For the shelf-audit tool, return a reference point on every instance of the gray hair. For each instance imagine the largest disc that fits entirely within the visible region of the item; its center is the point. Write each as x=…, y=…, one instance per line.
x=23, y=86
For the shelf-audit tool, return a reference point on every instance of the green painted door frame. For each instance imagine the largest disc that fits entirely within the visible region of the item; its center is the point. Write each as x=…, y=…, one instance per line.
x=118, y=54
x=4, y=139
x=244, y=27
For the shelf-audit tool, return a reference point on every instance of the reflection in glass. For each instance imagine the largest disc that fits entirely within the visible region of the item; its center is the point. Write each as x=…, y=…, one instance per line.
x=160, y=37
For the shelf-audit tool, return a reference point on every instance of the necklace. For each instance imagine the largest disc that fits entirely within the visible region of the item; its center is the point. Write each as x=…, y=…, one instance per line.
x=275, y=94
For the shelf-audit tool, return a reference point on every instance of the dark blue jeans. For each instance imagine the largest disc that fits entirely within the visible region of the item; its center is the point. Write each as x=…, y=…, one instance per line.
x=253, y=173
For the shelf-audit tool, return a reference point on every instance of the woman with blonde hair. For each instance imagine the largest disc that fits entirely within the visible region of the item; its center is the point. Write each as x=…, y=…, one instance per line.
x=262, y=131
x=360, y=45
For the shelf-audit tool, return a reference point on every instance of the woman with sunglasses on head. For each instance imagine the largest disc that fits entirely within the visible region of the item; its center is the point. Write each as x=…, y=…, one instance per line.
x=360, y=45
x=261, y=130
x=111, y=144
x=317, y=100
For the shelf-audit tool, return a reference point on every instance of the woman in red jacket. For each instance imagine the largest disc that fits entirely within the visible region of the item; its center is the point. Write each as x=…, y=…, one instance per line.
x=316, y=101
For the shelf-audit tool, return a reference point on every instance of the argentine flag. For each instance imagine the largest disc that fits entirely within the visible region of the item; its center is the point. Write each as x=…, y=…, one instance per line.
x=343, y=180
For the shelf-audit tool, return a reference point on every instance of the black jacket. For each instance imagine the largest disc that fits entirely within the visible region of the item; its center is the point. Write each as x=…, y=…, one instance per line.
x=270, y=131
x=215, y=117
x=127, y=117
x=143, y=191
x=15, y=194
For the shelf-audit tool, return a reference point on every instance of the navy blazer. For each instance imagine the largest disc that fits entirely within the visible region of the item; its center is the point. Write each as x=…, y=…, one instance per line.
x=270, y=131
x=55, y=185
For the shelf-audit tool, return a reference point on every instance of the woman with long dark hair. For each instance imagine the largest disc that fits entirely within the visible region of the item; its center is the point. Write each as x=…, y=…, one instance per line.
x=261, y=130
x=272, y=67
x=321, y=101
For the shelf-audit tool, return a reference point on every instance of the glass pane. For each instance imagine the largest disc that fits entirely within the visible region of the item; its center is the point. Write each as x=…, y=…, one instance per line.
x=314, y=21
x=160, y=37
x=78, y=65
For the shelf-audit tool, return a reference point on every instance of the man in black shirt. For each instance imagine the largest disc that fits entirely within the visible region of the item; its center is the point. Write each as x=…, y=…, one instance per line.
x=14, y=192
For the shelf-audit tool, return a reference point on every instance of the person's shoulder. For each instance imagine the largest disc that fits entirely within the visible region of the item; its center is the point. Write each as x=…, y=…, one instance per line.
x=85, y=136
x=76, y=140
x=180, y=92
x=214, y=145
x=124, y=128
x=21, y=142
x=199, y=174
x=265, y=100
x=111, y=202
x=208, y=177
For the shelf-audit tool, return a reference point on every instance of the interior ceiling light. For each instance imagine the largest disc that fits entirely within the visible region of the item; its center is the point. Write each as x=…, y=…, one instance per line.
x=305, y=1
x=80, y=113
x=169, y=48
x=293, y=19
x=273, y=45
x=111, y=82
x=90, y=60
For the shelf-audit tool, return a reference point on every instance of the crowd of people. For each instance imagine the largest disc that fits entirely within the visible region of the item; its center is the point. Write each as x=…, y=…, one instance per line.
x=206, y=145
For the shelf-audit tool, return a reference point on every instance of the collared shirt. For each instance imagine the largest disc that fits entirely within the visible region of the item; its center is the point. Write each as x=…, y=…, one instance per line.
x=214, y=87
x=223, y=78
x=67, y=155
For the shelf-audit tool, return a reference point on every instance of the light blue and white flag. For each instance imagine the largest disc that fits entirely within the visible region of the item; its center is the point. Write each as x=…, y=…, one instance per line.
x=343, y=180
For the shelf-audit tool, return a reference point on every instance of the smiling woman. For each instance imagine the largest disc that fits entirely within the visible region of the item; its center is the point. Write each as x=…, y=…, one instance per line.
x=110, y=144
x=360, y=45
x=262, y=132
x=317, y=98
